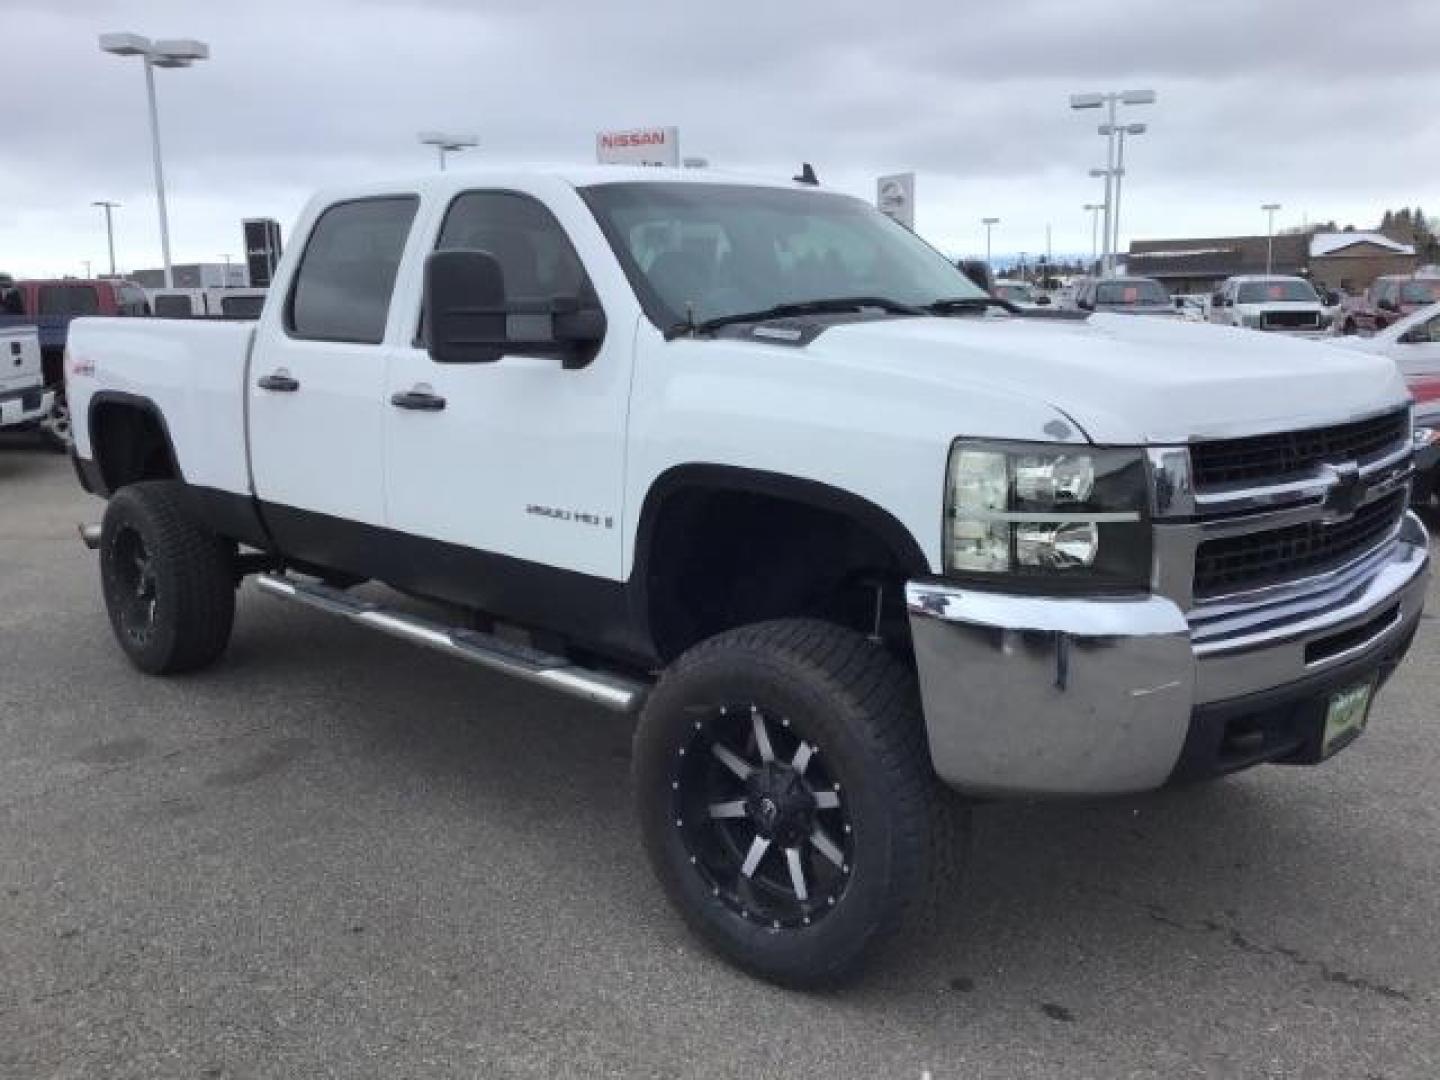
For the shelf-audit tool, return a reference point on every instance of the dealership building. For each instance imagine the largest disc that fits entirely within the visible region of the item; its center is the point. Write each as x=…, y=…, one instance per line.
x=1348, y=261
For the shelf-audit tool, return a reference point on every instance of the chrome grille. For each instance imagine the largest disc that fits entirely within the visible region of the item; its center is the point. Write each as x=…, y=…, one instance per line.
x=1289, y=454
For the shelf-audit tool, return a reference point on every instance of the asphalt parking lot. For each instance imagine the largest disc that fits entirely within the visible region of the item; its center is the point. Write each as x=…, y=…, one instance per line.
x=336, y=855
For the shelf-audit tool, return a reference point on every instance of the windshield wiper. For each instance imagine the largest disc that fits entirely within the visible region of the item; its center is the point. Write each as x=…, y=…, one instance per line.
x=952, y=305
x=834, y=304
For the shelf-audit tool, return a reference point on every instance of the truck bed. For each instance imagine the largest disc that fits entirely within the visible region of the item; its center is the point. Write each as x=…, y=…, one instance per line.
x=193, y=372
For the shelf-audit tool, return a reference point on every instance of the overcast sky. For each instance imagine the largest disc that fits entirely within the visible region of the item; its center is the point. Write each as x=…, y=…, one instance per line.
x=1314, y=104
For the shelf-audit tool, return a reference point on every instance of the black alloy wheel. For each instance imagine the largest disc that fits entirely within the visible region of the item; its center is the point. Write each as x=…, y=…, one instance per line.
x=762, y=819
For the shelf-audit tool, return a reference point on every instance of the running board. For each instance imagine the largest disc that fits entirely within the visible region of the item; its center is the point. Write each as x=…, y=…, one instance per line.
x=602, y=688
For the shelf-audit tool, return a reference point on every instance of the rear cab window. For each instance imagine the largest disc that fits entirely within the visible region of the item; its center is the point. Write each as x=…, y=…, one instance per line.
x=343, y=288
x=68, y=300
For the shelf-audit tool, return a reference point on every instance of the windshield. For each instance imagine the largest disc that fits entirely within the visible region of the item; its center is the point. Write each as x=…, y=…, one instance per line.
x=1019, y=294
x=1420, y=292
x=1138, y=291
x=1260, y=292
x=714, y=250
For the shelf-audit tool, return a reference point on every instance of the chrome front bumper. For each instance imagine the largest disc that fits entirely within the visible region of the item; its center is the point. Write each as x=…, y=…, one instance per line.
x=1049, y=696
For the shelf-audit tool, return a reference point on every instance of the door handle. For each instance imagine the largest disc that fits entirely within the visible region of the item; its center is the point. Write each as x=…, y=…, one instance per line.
x=280, y=380
x=421, y=399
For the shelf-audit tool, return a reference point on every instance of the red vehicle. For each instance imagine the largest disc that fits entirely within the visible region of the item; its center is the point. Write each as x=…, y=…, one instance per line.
x=1390, y=298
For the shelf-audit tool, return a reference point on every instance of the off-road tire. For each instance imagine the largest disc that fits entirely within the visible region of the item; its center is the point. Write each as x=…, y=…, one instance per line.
x=191, y=580
x=907, y=835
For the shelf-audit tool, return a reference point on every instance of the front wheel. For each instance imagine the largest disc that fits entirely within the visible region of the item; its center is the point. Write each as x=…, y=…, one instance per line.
x=169, y=582
x=786, y=798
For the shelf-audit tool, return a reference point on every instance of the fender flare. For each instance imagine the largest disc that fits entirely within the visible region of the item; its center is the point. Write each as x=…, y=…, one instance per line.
x=881, y=523
x=102, y=398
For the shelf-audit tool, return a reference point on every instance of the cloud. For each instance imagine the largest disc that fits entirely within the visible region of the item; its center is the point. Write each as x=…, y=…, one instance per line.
x=1258, y=102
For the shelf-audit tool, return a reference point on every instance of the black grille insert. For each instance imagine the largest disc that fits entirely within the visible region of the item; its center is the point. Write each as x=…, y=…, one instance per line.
x=1253, y=560
x=1290, y=453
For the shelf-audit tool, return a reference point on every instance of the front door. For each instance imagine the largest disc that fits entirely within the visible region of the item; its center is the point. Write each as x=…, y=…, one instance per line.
x=507, y=476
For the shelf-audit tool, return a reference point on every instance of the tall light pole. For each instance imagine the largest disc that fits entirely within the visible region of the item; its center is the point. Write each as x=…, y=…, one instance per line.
x=989, y=223
x=87, y=268
x=226, y=256
x=109, y=229
x=1094, y=208
x=447, y=144
x=1120, y=133
x=170, y=53
x=1269, y=208
x=1109, y=101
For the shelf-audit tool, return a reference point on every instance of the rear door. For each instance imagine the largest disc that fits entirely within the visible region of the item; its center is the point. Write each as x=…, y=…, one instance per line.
x=317, y=382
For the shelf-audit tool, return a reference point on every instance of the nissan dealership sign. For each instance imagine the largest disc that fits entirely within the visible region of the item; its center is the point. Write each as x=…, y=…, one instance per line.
x=639, y=146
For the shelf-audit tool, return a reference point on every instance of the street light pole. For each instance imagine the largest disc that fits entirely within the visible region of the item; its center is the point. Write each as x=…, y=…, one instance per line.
x=1270, y=208
x=989, y=223
x=159, y=173
x=1094, y=209
x=1109, y=101
x=444, y=143
x=1127, y=129
x=171, y=53
x=109, y=229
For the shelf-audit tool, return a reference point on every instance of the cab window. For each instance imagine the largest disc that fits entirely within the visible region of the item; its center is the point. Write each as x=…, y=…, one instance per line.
x=347, y=274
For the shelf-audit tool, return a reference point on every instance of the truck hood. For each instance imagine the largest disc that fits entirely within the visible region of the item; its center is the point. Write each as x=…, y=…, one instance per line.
x=1125, y=380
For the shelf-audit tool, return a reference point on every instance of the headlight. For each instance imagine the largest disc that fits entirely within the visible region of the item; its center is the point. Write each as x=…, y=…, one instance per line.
x=1043, y=516
x=1424, y=436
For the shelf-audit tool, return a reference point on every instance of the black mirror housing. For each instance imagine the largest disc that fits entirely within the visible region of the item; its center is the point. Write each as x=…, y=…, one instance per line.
x=469, y=319
x=466, y=318
x=1042, y=301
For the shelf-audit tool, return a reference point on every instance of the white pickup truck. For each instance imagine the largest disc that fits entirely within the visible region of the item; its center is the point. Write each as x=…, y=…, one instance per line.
x=756, y=462
x=24, y=401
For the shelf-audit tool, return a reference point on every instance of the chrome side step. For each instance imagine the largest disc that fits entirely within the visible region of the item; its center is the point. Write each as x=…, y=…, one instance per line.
x=603, y=688
x=90, y=536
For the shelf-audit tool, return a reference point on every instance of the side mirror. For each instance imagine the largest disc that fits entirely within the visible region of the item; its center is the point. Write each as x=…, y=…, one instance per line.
x=1042, y=301
x=470, y=320
x=1216, y=300
x=1228, y=301
x=1085, y=305
x=466, y=319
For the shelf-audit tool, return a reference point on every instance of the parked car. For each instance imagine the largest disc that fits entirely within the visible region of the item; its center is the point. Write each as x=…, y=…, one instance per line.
x=1125, y=296
x=50, y=305
x=1387, y=301
x=1414, y=344
x=1269, y=302
x=744, y=457
x=1020, y=293
x=24, y=401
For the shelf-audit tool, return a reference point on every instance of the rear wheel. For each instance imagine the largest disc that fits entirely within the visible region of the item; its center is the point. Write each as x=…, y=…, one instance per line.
x=169, y=582
x=786, y=798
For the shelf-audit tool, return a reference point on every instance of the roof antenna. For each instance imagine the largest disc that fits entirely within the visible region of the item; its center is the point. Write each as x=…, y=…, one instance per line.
x=807, y=175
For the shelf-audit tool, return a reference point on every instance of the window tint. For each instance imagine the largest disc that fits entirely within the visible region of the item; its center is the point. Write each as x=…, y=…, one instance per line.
x=1131, y=291
x=69, y=300
x=534, y=253
x=342, y=291
x=241, y=307
x=173, y=306
x=1260, y=292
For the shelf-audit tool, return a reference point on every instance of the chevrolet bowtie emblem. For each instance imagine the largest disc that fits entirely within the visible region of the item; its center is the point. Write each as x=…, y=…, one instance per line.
x=1346, y=491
